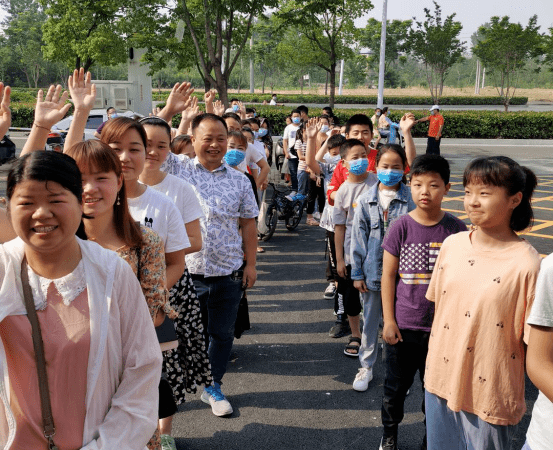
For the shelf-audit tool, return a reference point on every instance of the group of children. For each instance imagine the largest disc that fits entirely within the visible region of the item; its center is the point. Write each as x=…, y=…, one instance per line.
x=456, y=305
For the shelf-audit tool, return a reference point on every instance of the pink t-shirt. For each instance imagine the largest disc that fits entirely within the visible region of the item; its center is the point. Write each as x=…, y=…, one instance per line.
x=66, y=336
x=476, y=350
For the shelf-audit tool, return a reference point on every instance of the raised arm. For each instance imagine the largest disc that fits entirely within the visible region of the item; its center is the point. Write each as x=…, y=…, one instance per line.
x=312, y=128
x=176, y=102
x=188, y=116
x=406, y=124
x=83, y=94
x=49, y=110
x=5, y=111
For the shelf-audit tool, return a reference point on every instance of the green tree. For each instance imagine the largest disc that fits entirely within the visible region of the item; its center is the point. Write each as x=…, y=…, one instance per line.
x=267, y=36
x=325, y=31
x=83, y=32
x=435, y=43
x=23, y=38
x=219, y=30
x=397, y=45
x=504, y=49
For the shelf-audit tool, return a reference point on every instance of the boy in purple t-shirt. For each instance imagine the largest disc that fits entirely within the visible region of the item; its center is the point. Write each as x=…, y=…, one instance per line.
x=411, y=247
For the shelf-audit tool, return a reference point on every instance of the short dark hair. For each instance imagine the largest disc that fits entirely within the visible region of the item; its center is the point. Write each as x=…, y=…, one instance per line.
x=238, y=135
x=348, y=145
x=250, y=110
x=504, y=172
x=325, y=116
x=359, y=119
x=423, y=164
x=207, y=116
x=384, y=110
x=231, y=115
x=395, y=148
x=179, y=143
x=295, y=111
x=110, y=107
x=335, y=141
x=303, y=108
x=157, y=122
x=234, y=99
x=329, y=109
x=254, y=120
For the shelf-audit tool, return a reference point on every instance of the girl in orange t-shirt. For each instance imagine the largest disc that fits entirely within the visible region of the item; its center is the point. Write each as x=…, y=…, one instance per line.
x=483, y=289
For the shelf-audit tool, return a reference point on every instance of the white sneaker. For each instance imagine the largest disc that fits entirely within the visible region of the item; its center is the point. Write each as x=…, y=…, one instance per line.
x=291, y=196
x=213, y=396
x=317, y=215
x=330, y=291
x=362, y=379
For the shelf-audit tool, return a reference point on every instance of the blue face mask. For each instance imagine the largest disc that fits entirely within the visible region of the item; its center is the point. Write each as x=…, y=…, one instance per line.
x=235, y=108
x=358, y=166
x=114, y=115
x=256, y=134
x=234, y=156
x=296, y=120
x=262, y=132
x=389, y=177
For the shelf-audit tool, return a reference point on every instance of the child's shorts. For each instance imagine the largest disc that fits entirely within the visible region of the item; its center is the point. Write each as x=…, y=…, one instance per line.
x=352, y=300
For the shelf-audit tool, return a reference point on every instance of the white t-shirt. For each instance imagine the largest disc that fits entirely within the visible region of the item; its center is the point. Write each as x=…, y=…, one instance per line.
x=157, y=211
x=290, y=134
x=253, y=155
x=273, y=101
x=183, y=195
x=540, y=431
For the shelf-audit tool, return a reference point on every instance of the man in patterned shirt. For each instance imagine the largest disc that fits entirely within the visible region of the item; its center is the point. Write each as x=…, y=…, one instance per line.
x=228, y=204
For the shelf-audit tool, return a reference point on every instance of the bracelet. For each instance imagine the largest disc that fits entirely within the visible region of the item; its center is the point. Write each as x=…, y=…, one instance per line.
x=44, y=128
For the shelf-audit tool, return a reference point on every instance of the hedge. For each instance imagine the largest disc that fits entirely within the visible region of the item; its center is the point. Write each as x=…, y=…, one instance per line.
x=360, y=99
x=458, y=124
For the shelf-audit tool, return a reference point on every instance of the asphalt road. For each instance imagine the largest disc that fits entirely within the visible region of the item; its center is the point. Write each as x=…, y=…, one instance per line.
x=289, y=383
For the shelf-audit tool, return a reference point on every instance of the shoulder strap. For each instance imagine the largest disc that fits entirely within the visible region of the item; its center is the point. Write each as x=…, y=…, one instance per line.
x=47, y=419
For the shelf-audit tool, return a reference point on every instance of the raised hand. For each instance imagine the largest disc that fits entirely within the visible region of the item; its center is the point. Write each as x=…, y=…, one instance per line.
x=176, y=102
x=218, y=107
x=5, y=112
x=191, y=111
x=312, y=127
x=83, y=92
x=407, y=122
x=51, y=108
x=209, y=96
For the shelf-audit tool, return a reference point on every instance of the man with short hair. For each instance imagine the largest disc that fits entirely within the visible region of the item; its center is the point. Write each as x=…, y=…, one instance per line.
x=112, y=114
x=434, y=130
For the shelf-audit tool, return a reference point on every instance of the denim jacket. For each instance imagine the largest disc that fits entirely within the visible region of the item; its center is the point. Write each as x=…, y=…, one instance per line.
x=367, y=233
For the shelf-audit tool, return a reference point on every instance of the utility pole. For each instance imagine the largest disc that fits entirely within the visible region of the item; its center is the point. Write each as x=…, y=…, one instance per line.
x=380, y=101
x=477, y=83
x=252, y=87
x=341, y=78
x=484, y=78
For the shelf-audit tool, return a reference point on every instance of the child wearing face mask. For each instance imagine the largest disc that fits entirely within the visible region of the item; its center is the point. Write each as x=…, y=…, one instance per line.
x=354, y=155
x=382, y=203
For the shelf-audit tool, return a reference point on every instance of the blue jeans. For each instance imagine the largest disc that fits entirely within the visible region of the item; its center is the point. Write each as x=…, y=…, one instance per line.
x=303, y=180
x=293, y=168
x=372, y=313
x=447, y=429
x=219, y=298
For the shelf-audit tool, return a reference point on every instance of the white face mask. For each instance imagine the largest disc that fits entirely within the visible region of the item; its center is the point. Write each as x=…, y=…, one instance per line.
x=324, y=128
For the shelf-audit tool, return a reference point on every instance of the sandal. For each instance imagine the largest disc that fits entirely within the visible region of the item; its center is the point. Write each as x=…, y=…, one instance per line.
x=312, y=222
x=260, y=250
x=355, y=348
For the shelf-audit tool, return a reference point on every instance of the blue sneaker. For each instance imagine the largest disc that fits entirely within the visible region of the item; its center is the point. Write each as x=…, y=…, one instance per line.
x=213, y=396
x=299, y=198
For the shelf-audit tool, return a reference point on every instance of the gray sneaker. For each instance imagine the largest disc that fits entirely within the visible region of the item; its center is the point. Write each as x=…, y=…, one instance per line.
x=339, y=329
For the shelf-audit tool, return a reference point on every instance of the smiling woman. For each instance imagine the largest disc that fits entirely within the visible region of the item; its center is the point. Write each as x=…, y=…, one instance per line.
x=71, y=283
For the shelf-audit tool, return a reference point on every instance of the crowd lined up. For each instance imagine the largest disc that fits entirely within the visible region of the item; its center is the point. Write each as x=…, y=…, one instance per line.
x=136, y=249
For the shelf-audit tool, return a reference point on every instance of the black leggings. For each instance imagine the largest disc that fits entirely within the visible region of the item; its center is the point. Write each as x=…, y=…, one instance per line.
x=315, y=192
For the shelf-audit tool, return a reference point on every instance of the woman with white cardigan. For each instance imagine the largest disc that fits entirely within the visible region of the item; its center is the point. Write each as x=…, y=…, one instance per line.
x=102, y=356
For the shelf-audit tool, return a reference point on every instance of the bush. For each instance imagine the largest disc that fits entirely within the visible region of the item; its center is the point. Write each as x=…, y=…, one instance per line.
x=360, y=99
x=458, y=124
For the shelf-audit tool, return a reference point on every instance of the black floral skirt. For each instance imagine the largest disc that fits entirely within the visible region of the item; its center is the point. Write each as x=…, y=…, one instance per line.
x=187, y=366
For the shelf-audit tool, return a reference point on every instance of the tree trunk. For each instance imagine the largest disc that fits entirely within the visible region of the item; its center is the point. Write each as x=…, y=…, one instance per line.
x=88, y=64
x=326, y=84
x=222, y=90
x=332, y=84
x=263, y=83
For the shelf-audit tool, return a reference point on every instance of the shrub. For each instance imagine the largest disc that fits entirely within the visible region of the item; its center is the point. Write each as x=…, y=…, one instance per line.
x=360, y=99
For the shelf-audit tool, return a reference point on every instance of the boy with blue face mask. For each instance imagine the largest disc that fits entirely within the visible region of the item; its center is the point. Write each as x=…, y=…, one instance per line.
x=354, y=157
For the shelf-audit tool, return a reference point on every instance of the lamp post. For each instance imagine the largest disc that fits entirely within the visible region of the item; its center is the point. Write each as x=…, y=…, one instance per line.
x=380, y=102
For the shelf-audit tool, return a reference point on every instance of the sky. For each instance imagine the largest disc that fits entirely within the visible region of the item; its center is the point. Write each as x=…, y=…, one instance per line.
x=471, y=13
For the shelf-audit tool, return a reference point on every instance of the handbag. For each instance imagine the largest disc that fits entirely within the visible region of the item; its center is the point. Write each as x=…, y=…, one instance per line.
x=38, y=345
x=262, y=227
x=166, y=334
